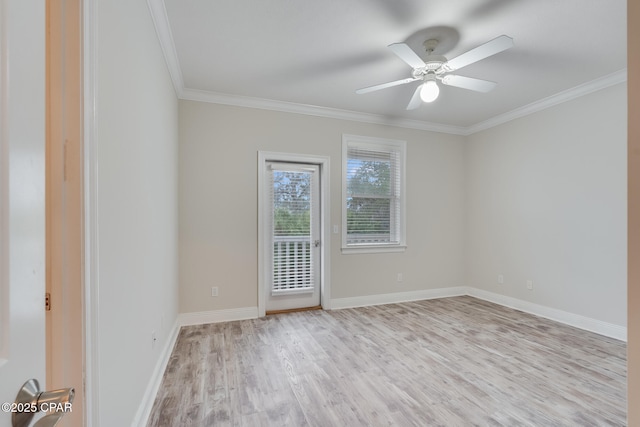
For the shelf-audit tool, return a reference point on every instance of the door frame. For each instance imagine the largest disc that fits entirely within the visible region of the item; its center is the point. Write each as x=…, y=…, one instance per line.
x=90, y=227
x=4, y=190
x=263, y=230
x=64, y=202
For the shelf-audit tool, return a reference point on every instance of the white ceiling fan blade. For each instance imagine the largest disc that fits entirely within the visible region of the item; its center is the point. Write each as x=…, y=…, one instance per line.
x=405, y=53
x=492, y=47
x=415, y=99
x=469, y=83
x=385, y=85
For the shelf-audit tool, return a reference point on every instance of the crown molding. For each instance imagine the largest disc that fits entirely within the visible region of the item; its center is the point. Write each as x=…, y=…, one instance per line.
x=615, y=78
x=334, y=113
x=163, y=31
x=612, y=79
x=314, y=110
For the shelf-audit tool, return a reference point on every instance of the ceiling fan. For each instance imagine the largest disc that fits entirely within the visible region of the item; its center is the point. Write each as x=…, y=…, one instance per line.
x=437, y=67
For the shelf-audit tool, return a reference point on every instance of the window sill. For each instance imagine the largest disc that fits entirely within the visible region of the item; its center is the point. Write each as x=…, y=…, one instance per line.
x=373, y=249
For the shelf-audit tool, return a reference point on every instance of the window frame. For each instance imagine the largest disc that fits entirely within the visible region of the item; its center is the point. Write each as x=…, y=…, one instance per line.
x=377, y=144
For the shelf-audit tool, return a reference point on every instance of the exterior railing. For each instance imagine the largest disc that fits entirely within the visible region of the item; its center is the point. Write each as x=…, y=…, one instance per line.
x=292, y=264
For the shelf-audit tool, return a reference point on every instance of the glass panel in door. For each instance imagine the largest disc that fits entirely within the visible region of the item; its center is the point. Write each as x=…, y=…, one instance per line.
x=294, y=221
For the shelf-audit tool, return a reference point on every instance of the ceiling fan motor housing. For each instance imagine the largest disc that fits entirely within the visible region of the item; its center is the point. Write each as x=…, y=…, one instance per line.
x=433, y=65
x=434, y=62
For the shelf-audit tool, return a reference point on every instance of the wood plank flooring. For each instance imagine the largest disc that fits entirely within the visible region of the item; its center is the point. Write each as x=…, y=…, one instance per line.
x=446, y=362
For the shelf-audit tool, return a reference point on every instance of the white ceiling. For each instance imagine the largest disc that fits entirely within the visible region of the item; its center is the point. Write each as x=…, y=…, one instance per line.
x=311, y=56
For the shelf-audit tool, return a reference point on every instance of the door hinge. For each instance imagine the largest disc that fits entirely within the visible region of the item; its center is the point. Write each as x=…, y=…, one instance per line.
x=47, y=301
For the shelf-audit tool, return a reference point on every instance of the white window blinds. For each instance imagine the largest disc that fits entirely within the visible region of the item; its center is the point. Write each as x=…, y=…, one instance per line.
x=373, y=193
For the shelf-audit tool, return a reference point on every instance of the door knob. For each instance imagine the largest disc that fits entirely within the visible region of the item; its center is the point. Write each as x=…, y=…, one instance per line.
x=49, y=420
x=31, y=399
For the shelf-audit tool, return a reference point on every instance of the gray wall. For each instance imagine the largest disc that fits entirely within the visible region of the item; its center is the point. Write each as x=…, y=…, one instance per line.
x=547, y=202
x=218, y=195
x=137, y=134
x=540, y=198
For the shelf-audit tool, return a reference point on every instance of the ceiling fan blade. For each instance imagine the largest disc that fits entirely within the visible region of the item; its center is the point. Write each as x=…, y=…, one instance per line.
x=469, y=83
x=385, y=85
x=415, y=99
x=405, y=53
x=492, y=47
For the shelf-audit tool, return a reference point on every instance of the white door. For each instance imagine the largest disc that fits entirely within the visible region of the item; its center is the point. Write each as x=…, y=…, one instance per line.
x=22, y=206
x=294, y=234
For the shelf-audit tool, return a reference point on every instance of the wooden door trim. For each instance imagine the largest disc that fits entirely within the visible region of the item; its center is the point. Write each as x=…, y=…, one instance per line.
x=64, y=190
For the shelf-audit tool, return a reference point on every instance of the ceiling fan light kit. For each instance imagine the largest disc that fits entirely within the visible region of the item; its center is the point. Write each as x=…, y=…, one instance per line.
x=437, y=67
x=429, y=91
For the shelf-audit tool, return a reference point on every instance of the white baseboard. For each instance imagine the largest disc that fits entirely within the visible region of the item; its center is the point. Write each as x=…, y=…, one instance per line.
x=576, y=320
x=217, y=316
x=571, y=319
x=397, y=297
x=144, y=410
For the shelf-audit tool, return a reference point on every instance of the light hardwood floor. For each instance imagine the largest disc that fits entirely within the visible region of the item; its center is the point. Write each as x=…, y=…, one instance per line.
x=446, y=362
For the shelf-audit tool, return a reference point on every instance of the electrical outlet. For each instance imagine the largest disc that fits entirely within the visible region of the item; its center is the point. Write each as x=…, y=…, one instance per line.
x=214, y=291
x=500, y=278
x=399, y=277
x=530, y=285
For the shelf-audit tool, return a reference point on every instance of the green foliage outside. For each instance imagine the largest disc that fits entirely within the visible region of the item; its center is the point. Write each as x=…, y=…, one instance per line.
x=292, y=202
x=370, y=178
x=288, y=223
x=367, y=216
x=368, y=203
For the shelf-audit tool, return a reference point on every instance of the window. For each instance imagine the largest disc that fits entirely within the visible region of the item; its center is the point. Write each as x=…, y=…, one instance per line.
x=373, y=201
